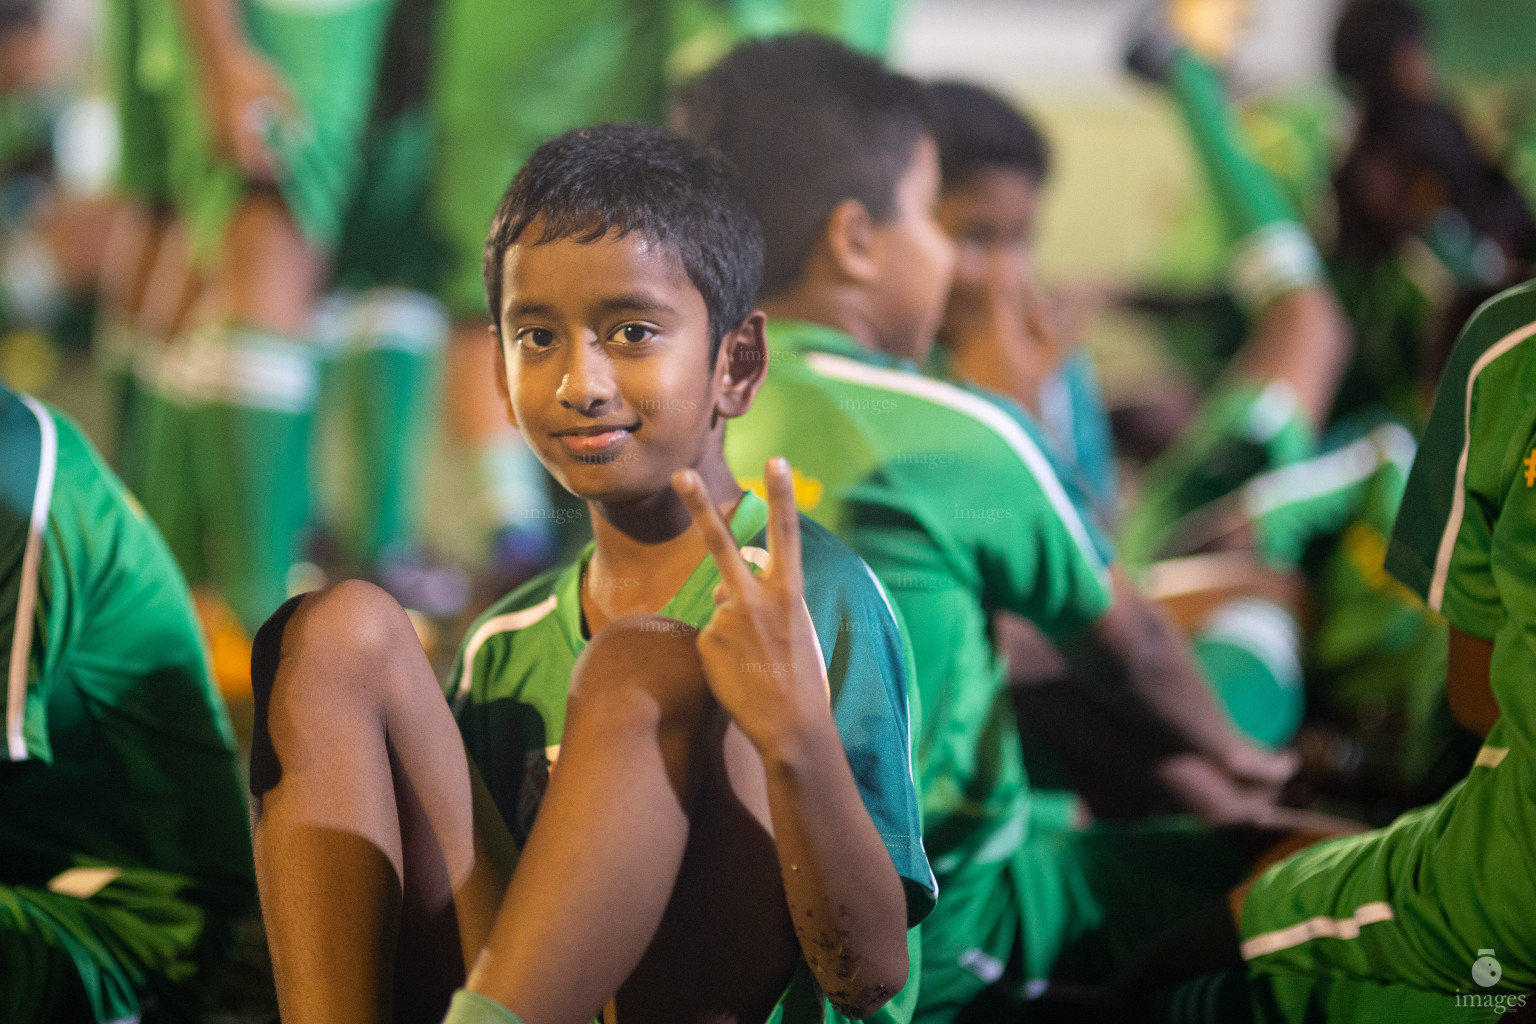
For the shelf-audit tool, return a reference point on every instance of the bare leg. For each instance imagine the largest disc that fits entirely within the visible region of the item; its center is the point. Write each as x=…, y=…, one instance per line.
x=127, y=259
x=173, y=286
x=651, y=851
x=270, y=274
x=372, y=842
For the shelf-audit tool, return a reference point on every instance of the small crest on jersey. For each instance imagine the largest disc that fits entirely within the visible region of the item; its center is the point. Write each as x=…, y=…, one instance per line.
x=1530, y=469
x=808, y=489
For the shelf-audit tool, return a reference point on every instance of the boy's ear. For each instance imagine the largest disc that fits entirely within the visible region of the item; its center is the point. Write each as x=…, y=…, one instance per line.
x=850, y=241
x=501, y=370
x=742, y=366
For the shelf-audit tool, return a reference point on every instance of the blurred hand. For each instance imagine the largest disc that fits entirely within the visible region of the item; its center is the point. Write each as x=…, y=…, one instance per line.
x=246, y=97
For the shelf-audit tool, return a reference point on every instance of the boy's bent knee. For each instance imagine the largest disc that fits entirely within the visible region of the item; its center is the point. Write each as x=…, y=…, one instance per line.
x=353, y=621
x=354, y=615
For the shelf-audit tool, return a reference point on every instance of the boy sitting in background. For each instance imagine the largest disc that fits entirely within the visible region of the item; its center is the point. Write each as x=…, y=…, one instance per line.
x=951, y=499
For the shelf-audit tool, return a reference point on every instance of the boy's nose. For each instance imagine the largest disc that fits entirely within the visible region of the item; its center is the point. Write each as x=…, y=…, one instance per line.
x=587, y=383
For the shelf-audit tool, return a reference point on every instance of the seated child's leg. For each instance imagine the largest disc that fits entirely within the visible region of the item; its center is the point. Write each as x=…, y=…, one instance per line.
x=651, y=853
x=373, y=846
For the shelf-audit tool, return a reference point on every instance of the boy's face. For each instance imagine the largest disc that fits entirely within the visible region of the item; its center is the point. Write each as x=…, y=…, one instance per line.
x=914, y=260
x=605, y=347
x=991, y=217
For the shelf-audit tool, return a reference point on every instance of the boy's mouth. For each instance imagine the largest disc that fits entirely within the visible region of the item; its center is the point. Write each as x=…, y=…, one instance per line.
x=594, y=439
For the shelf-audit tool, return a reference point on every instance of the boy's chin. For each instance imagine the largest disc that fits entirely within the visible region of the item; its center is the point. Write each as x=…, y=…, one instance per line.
x=610, y=483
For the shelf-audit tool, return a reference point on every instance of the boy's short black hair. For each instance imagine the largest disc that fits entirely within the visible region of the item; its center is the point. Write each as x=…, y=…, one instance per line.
x=979, y=129
x=1368, y=36
x=808, y=123
x=622, y=178
x=1422, y=137
x=19, y=14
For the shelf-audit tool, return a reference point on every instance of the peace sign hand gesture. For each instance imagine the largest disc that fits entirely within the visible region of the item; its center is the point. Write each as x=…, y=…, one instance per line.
x=759, y=651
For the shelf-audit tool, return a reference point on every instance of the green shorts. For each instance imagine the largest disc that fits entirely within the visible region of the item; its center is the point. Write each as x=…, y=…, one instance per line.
x=1418, y=902
x=97, y=957
x=1065, y=907
x=1241, y=430
x=327, y=54
x=386, y=240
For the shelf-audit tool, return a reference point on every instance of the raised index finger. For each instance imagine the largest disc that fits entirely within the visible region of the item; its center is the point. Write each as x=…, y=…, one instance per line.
x=734, y=571
x=783, y=524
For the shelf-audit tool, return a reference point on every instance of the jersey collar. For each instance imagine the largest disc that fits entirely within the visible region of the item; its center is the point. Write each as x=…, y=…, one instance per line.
x=694, y=601
x=787, y=335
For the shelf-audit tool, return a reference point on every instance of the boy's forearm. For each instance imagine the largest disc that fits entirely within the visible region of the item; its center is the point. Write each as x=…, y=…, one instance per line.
x=844, y=895
x=1155, y=662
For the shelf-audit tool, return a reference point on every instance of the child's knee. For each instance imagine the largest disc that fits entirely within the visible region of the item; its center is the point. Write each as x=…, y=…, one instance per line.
x=644, y=667
x=353, y=621
x=354, y=617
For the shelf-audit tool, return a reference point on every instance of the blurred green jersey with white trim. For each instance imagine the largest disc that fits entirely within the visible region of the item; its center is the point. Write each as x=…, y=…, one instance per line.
x=1465, y=539
x=954, y=504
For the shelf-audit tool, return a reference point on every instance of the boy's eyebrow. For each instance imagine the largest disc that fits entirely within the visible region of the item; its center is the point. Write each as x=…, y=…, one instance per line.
x=519, y=308
x=632, y=302
x=626, y=302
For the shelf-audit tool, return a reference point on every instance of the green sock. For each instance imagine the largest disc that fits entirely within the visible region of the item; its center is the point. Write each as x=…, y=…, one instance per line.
x=387, y=377
x=127, y=358
x=473, y=1008
x=1249, y=651
x=253, y=462
x=1272, y=252
x=156, y=450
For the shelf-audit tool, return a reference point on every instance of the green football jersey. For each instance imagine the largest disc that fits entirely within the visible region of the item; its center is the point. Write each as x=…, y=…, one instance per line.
x=1465, y=539
x=954, y=504
x=118, y=780
x=510, y=684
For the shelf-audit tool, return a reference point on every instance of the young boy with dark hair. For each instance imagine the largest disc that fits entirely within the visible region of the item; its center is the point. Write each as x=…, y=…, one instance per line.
x=999, y=332
x=951, y=499
x=693, y=741
x=1381, y=52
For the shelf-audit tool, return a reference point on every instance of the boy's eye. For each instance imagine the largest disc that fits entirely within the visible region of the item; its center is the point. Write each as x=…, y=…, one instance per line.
x=536, y=337
x=635, y=333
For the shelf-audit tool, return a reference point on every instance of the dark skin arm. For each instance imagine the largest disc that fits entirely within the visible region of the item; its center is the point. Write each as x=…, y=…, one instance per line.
x=1466, y=683
x=844, y=894
x=1137, y=646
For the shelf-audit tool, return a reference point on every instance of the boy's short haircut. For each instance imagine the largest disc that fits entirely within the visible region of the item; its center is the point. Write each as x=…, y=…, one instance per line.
x=620, y=178
x=808, y=123
x=1368, y=35
x=978, y=129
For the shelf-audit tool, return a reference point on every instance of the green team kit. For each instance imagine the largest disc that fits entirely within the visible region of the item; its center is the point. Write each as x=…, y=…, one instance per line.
x=954, y=504
x=1439, y=900
x=124, y=855
x=327, y=53
x=510, y=684
x=513, y=73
